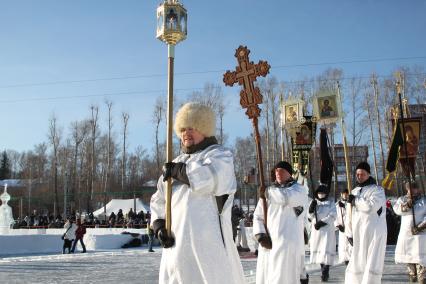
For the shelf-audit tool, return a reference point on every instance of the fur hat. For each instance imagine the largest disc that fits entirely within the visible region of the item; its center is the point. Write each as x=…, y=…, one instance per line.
x=197, y=116
x=284, y=165
x=364, y=166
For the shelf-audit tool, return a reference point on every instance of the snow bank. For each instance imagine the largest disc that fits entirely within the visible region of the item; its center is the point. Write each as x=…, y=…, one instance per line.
x=35, y=241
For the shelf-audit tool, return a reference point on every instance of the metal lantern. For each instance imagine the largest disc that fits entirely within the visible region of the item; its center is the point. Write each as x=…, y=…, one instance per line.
x=171, y=22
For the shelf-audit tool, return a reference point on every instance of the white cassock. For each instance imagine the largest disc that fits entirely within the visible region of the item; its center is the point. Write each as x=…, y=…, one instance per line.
x=411, y=248
x=323, y=241
x=281, y=264
x=204, y=251
x=369, y=234
x=345, y=248
x=241, y=239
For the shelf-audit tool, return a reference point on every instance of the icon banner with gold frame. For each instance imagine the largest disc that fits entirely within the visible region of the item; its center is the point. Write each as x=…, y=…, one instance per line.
x=412, y=138
x=326, y=106
x=292, y=112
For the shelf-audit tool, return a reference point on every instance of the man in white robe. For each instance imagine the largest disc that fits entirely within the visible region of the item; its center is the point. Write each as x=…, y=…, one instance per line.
x=322, y=212
x=368, y=231
x=344, y=248
x=201, y=248
x=411, y=245
x=279, y=256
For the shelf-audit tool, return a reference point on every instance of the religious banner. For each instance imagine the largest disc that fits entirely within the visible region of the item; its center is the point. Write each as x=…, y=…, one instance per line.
x=412, y=135
x=304, y=135
x=292, y=112
x=410, y=131
x=327, y=107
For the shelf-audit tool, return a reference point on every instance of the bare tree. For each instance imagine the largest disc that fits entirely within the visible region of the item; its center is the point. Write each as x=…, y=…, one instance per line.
x=125, y=117
x=94, y=126
x=157, y=118
x=379, y=124
x=357, y=112
x=109, y=143
x=370, y=122
x=79, y=131
x=54, y=137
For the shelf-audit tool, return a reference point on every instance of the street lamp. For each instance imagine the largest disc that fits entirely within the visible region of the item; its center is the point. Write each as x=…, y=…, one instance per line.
x=172, y=29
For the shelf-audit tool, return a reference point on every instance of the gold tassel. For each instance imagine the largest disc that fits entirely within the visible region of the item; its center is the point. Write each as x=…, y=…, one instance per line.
x=389, y=180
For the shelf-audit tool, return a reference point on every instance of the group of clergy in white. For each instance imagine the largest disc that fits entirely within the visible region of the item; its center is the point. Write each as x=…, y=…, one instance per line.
x=200, y=248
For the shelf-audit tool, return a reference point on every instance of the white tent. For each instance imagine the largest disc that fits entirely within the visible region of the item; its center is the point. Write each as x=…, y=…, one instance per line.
x=124, y=204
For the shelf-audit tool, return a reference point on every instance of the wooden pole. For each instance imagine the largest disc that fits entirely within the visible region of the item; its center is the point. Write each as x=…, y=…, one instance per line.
x=376, y=95
x=373, y=145
x=282, y=128
x=260, y=167
x=345, y=144
x=169, y=146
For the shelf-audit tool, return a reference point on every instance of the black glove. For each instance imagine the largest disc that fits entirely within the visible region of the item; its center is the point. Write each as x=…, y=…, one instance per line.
x=351, y=241
x=341, y=204
x=298, y=210
x=341, y=228
x=319, y=224
x=312, y=206
x=264, y=240
x=176, y=171
x=166, y=241
x=351, y=198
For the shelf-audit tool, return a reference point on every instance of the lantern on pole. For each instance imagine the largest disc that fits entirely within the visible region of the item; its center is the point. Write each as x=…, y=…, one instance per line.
x=171, y=29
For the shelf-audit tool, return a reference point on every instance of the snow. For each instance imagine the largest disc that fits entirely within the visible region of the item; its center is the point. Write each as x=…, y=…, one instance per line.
x=40, y=241
x=34, y=256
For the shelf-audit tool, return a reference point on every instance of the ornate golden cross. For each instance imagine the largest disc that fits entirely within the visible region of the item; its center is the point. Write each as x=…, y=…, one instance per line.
x=246, y=73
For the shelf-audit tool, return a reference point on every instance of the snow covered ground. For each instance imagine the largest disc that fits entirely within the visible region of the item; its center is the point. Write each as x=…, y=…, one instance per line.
x=134, y=266
x=102, y=264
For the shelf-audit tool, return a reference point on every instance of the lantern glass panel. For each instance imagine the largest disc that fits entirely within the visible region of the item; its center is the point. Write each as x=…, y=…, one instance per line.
x=160, y=22
x=171, y=20
x=183, y=23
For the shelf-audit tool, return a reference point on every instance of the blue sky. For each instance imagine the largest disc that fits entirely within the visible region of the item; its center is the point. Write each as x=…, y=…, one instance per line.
x=44, y=43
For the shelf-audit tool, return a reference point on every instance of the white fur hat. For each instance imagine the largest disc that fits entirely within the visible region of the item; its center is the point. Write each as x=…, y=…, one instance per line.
x=197, y=116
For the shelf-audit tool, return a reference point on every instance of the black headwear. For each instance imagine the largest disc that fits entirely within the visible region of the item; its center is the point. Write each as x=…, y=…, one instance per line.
x=284, y=165
x=364, y=166
x=322, y=188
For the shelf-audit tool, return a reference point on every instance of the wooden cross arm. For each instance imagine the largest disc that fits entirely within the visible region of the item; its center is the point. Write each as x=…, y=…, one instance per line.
x=262, y=68
x=230, y=78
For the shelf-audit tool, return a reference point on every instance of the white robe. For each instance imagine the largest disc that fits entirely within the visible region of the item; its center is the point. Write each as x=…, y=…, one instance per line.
x=345, y=248
x=369, y=234
x=281, y=264
x=323, y=241
x=200, y=255
x=411, y=248
x=241, y=239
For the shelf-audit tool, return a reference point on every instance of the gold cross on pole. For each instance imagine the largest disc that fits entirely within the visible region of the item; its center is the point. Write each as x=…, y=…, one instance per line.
x=245, y=75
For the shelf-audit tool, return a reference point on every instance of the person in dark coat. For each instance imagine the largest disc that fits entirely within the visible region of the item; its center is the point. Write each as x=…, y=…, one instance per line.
x=79, y=235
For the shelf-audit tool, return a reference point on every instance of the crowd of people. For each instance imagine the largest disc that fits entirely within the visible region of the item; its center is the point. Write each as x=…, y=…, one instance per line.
x=128, y=220
x=201, y=247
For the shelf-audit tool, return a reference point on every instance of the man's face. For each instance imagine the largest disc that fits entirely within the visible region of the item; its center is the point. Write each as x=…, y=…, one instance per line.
x=362, y=175
x=345, y=196
x=281, y=175
x=190, y=136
